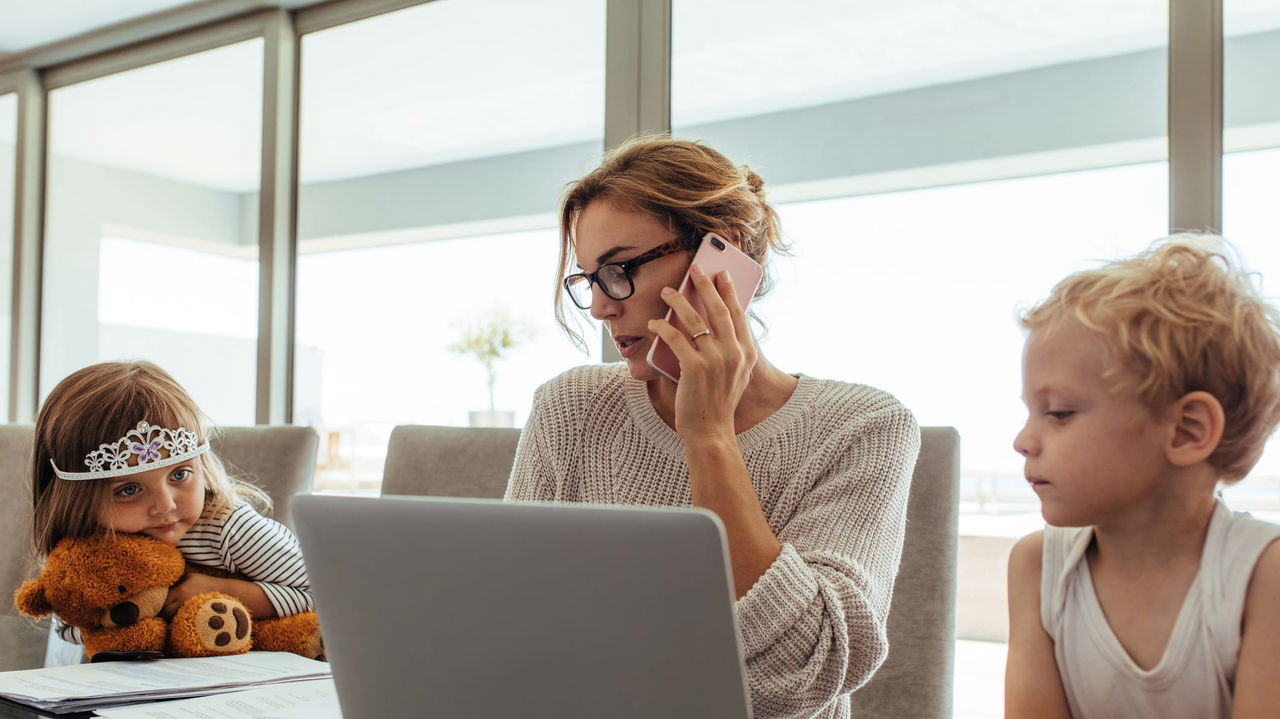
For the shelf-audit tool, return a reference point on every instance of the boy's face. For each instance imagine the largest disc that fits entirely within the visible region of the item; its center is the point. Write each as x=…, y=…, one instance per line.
x=1093, y=454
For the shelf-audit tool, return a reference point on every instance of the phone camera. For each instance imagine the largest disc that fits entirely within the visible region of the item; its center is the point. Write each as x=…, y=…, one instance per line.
x=716, y=243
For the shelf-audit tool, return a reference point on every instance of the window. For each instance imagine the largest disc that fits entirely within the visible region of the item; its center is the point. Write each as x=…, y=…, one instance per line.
x=434, y=143
x=151, y=225
x=8, y=168
x=936, y=165
x=1250, y=174
x=890, y=99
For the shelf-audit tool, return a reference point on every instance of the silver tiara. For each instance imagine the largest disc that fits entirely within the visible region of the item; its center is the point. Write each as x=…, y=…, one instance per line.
x=144, y=442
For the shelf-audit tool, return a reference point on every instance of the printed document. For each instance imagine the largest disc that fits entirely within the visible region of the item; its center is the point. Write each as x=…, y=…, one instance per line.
x=315, y=699
x=83, y=687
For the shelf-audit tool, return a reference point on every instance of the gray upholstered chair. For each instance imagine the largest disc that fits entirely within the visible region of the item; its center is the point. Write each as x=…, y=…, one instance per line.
x=916, y=678
x=22, y=641
x=449, y=461
x=279, y=459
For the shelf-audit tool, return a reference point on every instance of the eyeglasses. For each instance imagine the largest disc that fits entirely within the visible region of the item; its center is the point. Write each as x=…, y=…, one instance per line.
x=614, y=278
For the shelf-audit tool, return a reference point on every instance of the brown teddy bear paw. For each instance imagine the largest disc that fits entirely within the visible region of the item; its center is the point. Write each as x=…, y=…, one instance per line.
x=297, y=633
x=211, y=624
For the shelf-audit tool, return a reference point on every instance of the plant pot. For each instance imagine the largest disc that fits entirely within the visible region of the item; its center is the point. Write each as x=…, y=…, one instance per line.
x=492, y=418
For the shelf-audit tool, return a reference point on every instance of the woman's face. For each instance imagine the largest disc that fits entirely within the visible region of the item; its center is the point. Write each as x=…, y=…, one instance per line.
x=608, y=233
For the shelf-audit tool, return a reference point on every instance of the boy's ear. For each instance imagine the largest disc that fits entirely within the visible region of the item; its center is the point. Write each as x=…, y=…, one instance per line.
x=1198, y=422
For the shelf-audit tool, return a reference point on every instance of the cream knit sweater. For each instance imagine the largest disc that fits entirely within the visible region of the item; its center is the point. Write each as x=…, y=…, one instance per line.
x=831, y=467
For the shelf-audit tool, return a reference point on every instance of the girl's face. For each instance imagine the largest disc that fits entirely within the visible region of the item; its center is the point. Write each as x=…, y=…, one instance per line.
x=606, y=232
x=162, y=503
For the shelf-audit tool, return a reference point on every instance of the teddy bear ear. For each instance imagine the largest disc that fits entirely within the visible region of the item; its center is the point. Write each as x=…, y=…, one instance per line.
x=31, y=600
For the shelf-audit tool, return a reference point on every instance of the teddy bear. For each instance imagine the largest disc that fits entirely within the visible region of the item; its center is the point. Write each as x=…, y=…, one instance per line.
x=113, y=586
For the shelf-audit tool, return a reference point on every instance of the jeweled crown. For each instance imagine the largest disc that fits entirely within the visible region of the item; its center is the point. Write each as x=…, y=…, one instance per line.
x=145, y=442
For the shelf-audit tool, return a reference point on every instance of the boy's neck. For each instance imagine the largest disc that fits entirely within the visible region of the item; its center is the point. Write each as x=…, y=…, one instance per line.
x=1171, y=525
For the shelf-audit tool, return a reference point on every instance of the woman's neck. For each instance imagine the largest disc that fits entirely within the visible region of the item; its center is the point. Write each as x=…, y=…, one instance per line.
x=768, y=389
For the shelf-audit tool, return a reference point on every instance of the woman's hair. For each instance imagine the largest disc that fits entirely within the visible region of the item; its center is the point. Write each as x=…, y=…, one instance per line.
x=98, y=405
x=687, y=186
x=1184, y=316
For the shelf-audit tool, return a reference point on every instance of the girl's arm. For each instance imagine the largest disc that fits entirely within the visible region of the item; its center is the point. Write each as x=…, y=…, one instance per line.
x=252, y=596
x=1032, y=687
x=1257, y=687
x=261, y=550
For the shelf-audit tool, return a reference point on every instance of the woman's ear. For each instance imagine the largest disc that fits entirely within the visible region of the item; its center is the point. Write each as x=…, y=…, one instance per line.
x=1198, y=422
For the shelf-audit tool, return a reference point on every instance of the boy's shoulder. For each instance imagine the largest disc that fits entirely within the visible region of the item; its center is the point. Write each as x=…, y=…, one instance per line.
x=1026, y=557
x=1264, y=582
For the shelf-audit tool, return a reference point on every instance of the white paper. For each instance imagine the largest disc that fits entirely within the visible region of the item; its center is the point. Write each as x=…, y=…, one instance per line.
x=83, y=686
x=314, y=699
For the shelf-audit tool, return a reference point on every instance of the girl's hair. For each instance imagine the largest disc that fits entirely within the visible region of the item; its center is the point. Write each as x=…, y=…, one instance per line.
x=97, y=405
x=687, y=186
x=1184, y=316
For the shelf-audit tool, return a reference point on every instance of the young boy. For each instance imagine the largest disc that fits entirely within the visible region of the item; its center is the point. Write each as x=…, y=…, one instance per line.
x=1147, y=382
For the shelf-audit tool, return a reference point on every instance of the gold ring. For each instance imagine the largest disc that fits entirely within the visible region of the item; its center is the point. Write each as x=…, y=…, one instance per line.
x=705, y=331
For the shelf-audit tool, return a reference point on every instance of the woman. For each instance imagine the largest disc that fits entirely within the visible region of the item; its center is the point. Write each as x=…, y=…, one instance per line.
x=809, y=476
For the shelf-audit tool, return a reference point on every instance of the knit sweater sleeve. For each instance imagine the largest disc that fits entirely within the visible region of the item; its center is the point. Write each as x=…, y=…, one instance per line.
x=814, y=625
x=532, y=477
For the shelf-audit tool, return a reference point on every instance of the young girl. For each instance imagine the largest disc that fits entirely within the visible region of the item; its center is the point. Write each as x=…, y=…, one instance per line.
x=121, y=446
x=1147, y=382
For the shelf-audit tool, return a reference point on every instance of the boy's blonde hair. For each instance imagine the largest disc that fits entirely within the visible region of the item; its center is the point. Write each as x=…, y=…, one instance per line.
x=1184, y=316
x=689, y=187
x=98, y=404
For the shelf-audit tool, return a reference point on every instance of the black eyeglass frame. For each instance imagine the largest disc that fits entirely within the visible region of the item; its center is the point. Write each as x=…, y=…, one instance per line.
x=628, y=266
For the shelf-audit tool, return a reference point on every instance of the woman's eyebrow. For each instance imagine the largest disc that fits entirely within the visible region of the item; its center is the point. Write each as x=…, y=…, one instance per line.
x=611, y=253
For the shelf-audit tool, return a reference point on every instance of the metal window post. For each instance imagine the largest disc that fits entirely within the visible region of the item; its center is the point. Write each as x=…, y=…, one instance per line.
x=637, y=80
x=1195, y=115
x=277, y=221
x=28, y=213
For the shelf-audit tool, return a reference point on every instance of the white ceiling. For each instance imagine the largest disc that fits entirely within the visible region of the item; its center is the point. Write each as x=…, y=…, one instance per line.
x=29, y=24
x=459, y=79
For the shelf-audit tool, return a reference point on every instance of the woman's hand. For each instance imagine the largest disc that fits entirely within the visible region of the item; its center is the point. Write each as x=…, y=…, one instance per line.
x=714, y=368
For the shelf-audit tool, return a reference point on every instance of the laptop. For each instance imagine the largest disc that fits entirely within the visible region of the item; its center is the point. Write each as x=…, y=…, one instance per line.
x=464, y=608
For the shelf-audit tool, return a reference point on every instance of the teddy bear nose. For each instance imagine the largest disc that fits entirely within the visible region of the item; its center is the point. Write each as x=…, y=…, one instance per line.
x=124, y=614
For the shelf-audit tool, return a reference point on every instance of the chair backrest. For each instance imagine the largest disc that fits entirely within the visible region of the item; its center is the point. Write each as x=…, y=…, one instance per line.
x=449, y=461
x=22, y=641
x=280, y=459
x=916, y=678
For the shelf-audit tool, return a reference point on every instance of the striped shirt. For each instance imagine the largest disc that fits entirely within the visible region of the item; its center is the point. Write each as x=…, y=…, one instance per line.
x=242, y=541
x=263, y=550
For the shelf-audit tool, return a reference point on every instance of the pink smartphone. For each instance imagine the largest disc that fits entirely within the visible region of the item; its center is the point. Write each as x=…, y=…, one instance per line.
x=713, y=255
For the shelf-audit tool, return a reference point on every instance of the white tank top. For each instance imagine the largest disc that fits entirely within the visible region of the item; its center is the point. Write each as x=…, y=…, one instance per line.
x=1195, y=676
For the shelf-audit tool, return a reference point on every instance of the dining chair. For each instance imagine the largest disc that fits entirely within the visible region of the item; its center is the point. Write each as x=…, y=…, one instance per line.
x=281, y=459
x=449, y=461
x=22, y=641
x=916, y=678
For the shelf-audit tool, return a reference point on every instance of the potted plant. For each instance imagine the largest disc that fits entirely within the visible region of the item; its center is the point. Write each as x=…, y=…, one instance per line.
x=489, y=338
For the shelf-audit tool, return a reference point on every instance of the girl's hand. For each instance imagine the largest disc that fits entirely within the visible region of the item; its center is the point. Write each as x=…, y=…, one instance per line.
x=714, y=368
x=247, y=593
x=186, y=588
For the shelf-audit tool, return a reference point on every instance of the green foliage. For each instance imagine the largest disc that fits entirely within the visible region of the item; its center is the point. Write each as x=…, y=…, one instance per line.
x=491, y=337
